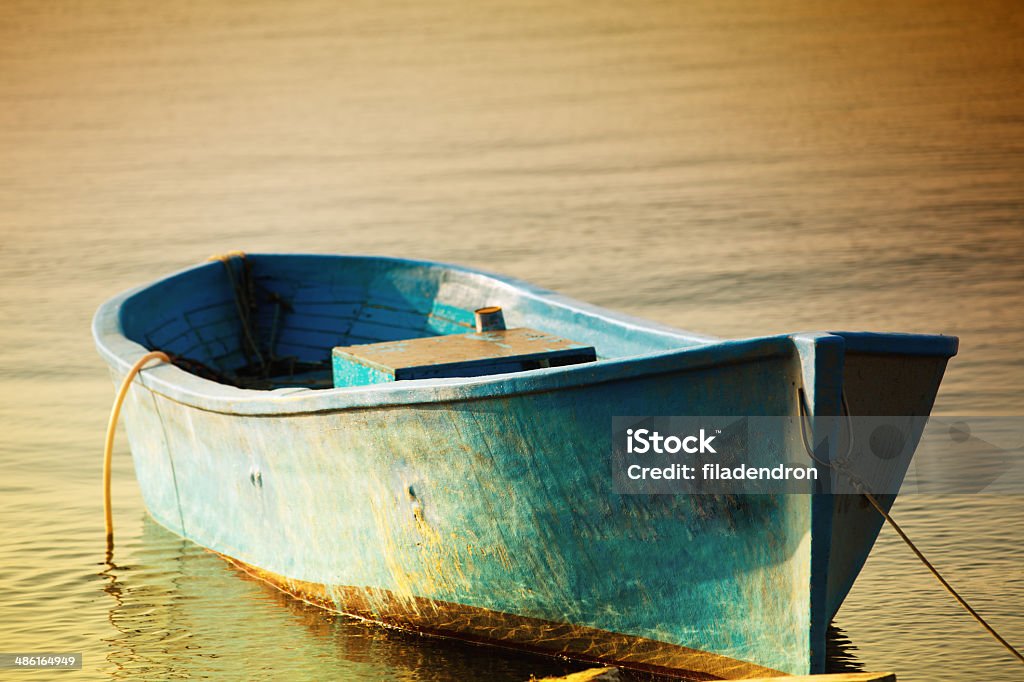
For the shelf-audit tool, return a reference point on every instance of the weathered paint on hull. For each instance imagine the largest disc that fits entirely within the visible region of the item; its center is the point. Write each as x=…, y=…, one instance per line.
x=446, y=504
x=484, y=504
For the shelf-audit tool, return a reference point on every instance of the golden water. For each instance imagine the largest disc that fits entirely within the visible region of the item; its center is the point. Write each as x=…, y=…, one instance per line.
x=735, y=168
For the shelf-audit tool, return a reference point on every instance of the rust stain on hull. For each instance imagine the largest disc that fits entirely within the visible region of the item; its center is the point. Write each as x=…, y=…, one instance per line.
x=509, y=631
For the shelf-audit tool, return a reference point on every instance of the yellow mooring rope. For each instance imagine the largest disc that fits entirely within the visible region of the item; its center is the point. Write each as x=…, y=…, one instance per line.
x=108, y=450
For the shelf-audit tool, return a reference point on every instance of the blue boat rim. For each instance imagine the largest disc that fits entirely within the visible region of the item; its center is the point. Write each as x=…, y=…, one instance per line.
x=184, y=387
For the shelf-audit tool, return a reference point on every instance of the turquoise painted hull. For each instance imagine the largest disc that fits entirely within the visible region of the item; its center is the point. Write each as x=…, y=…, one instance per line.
x=483, y=508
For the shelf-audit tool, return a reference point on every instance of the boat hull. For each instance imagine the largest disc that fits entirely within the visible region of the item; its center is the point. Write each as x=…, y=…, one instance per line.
x=503, y=505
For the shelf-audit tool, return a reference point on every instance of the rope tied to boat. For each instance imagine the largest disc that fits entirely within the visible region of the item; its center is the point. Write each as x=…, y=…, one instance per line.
x=245, y=305
x=252, y=299
x=840, y=465
x=225, y=256
x=108, y=450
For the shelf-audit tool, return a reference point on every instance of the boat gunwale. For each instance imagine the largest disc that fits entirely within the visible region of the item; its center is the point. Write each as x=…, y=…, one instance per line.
x=176, y=384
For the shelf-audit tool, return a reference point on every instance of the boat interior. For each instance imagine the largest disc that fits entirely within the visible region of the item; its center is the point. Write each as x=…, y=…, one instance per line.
x=271, y=321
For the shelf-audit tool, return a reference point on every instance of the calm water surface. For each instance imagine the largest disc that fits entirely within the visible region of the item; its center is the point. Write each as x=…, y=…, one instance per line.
x=737, y=168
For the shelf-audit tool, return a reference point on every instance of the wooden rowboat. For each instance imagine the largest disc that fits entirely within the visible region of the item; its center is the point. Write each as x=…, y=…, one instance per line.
x=481, y=507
